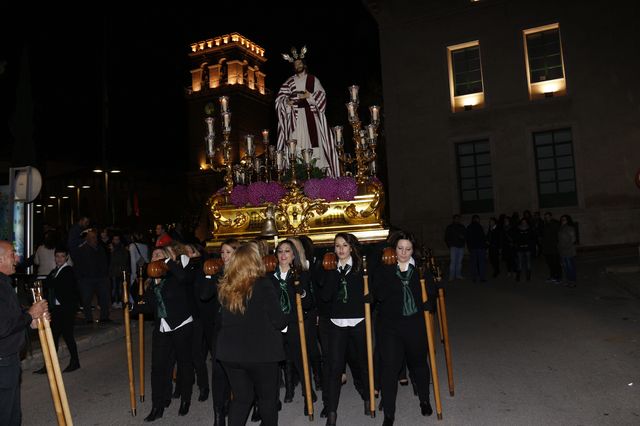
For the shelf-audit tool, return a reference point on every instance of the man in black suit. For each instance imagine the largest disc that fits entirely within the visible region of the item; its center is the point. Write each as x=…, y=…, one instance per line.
x=63, y=297
x=13, y=324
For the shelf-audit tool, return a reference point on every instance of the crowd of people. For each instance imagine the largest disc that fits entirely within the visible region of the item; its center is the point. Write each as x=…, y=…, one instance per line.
x=512, y=242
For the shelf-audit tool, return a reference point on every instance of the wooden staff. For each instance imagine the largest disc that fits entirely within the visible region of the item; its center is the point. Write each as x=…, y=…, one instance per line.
x=303, y=346
x=141, y=334
x=444, y=326
x=127, y=337
x=56, y=384
x=369, y=334
x=428, y=319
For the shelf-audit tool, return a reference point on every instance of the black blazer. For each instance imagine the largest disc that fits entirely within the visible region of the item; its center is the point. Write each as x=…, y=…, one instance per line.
x=354, y=308
x=255, y=335
x=386, y=289
x=175, y=295
x=64, y=288
x=307, y=301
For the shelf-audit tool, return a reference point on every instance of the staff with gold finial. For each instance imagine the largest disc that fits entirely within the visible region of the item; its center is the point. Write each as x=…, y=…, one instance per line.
x=127, y=336
x=58, y=392
x=369, y=333
x=303, y=343
x=141, y=334
x=442, y=318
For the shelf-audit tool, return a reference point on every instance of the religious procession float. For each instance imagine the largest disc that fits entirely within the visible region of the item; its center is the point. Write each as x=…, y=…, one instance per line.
x=306, y=183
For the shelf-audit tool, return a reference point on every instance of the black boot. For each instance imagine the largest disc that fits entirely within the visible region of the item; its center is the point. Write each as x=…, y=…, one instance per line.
x=218, y=416
x=425, y=408
x=73, y=366
x=289, y=386
x=255, y=416
x=388, y=421
x=332, y=418
x=184, y=408
x=156, y=413
x=204, y=394
x=323, y=413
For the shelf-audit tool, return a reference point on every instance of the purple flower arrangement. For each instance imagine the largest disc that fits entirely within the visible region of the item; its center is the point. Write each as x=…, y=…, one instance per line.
x=330, y=189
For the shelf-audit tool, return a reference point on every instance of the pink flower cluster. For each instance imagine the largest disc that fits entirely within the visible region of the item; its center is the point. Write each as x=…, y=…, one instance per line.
x=257, y=193
x=331, y=189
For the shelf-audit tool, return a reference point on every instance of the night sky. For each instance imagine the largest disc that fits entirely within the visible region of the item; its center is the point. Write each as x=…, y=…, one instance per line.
x=145, y=56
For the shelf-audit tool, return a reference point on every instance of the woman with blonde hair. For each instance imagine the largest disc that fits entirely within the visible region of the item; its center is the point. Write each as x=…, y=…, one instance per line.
x=249, y=343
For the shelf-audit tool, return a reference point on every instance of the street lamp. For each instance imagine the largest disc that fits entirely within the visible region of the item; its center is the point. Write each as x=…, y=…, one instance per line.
x=77, y=188
x=106, y=189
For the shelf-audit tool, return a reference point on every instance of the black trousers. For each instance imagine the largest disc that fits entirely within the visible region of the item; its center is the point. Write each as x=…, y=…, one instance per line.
x=400, y=340
x=494, y=258
x=88, y=286
x=200, y=351
x=247, y=377
x=555, y=268
x=10, y=413
x=164, y=346
x=221, y=389
x=62, y=322
x=293, y=349
x=344, y=341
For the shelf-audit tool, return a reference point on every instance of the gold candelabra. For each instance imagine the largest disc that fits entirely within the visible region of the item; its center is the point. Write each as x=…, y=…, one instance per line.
x=364, y=139
x=224, y=148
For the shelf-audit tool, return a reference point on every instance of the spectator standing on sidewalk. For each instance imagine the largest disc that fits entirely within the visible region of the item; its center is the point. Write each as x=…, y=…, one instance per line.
x=454, y=236
x=494, y=239
x=509, y=246
x=76, y=236
x=44, y=258
x=91, y=270
x=477, y=245
x=118, y=262
x=550, y=247
x=567, y=249
x=138, y=254
x=525, y=240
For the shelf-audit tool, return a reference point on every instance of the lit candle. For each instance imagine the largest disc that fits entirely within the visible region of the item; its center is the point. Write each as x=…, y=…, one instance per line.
x=250, y=147
x=226, y=120
x=279, y=159
x=375, y=113
x=224, y=103
x=209, y=121
x=337, y=132
x=353, y=92
x=307, y=155
x=351, y=109
x=292, y=146
x=210, y=146
x=371, y=131
x=265, y=136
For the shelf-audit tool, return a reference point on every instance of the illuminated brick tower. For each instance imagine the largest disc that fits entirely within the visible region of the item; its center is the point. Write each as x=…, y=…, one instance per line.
x=228, y=65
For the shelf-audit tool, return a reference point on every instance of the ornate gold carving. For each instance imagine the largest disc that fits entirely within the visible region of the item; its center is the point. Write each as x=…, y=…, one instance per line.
x=296, y=209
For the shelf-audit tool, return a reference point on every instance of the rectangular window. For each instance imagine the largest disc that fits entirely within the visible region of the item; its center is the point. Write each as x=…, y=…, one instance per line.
x=545, y=66
x=465, y=76
x=474, y=177
x=555, y=168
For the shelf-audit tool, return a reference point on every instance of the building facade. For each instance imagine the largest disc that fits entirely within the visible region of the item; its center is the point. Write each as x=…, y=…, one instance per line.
x=493, y=107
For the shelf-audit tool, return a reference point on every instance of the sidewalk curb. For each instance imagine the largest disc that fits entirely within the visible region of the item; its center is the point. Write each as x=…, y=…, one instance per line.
x=94, y=339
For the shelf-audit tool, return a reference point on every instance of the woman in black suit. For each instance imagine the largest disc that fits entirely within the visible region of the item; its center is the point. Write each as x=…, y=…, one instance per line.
x=401, y=333
x=171, y=301
x=249, y=343
x=344, y=289
x=289, y=258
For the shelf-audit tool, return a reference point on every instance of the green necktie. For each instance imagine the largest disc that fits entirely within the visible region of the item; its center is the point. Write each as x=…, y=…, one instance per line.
x=343, y=295
x=161, y=309
x=285, y=302
x=409, y=304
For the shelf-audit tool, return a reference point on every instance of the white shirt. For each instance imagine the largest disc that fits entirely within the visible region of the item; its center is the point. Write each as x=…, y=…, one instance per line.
x=346, y=322
x=164, y=326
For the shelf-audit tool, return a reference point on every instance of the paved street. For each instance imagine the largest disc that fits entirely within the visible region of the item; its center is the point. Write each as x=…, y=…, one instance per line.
x=528, y=353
